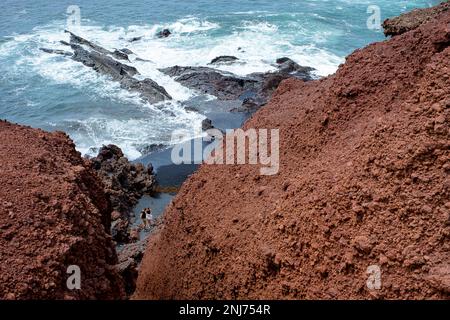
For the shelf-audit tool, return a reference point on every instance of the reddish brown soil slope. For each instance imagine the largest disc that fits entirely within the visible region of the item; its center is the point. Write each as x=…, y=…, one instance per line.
x=364, y=180
x=53, y=214
x=411, y=20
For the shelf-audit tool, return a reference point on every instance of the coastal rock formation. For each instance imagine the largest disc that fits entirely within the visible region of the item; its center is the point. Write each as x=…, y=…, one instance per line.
x=164, y=33
x=257, y=87
x=130, y=257
x=134, y=39
x=102, y=61
x=207, y=124
x=224, y=85
x=287, y=66
x=53, y=214
x=125, y=183
x=413, y=19
x=224, y=60
x=54, y=51
x=362, y=191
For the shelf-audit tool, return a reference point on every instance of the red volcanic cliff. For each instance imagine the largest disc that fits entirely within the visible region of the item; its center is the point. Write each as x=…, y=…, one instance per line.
x=53, y=214
x=364, y=180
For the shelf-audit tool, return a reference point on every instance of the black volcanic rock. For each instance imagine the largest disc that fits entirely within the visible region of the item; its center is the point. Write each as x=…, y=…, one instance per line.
x=288, y=66
x=223, y=60
x=102, y=61
x=164, y=33
x=254, y=89
x=223, y=85
x=134, y=39
x=207, y=124
x=118, y=54
x=124, y=183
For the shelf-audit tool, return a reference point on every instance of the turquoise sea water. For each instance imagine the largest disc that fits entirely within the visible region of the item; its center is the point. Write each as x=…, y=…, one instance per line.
x=55, y=93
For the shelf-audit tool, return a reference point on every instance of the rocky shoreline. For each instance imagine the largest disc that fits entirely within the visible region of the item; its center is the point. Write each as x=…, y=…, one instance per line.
x=252, y=91
x=364, y=180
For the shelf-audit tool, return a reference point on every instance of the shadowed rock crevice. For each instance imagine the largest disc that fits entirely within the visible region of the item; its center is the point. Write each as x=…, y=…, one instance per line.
x=124, y=183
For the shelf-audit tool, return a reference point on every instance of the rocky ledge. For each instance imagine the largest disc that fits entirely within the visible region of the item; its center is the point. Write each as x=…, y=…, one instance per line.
x=124, y=184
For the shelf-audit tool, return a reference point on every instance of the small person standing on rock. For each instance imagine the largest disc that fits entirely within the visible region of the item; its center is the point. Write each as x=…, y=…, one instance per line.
x=147, y=217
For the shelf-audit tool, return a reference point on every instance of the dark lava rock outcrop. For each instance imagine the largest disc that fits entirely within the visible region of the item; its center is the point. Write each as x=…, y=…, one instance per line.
x=224, y=85
x=55, y=51
x=224, y=60
x=124, y=183
x=164, y=33
x=255, y=88
x=286, y=66
x=104, y=62
x=363, y=186
x=135, y=39
x=53, y=214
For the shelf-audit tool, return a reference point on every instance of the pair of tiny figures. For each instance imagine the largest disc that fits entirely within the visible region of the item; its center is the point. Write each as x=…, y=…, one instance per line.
x=147, y=217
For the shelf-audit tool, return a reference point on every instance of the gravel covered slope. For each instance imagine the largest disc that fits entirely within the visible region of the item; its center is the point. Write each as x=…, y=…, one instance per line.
x=53, y=213
x=413, y=19
x=364, y=180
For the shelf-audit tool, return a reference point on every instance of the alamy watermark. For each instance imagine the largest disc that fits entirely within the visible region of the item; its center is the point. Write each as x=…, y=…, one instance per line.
x=74, y=280
x=374, y=277
x=73, y=21
x=374, y=20
x=235, y=146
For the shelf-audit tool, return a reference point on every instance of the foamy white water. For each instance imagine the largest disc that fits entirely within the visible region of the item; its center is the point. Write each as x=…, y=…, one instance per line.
x=54, y=92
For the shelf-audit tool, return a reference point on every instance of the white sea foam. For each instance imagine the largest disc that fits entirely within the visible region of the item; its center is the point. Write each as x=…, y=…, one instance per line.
x=256, y=44
x=133, y=134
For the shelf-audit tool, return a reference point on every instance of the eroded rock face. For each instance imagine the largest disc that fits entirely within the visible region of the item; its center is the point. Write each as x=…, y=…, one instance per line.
x=125, y=183
x=412, y=20
x=363, y=181
x=53, y=214
x=255, y=88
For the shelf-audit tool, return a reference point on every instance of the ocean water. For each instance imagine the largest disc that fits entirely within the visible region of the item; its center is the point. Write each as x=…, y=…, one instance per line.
x=55, y=93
